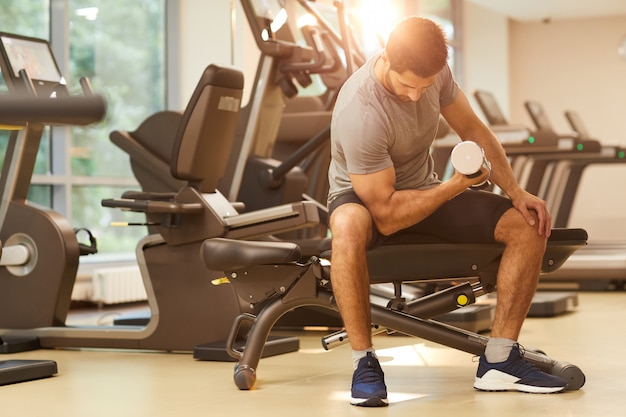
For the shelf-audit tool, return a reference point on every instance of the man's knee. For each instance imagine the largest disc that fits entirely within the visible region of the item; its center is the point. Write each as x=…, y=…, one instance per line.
x=351, y=223
x=513, y=228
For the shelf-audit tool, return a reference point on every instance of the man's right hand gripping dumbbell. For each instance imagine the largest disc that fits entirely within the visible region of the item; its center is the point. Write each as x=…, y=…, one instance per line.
x=468, y=159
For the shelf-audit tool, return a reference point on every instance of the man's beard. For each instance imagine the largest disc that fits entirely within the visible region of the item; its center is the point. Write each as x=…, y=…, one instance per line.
x=400, y=97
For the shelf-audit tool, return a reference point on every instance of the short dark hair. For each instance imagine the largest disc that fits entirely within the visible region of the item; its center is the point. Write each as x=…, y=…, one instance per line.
x=419, y=45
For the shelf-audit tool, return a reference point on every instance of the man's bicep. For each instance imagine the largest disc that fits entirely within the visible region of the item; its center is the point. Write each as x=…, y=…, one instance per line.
x=374, y=189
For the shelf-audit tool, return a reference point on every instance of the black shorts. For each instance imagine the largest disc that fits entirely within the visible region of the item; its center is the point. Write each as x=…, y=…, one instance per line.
x=470, y=217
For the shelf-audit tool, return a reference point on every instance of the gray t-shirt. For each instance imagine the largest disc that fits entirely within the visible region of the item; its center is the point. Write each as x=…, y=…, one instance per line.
x=371, y=130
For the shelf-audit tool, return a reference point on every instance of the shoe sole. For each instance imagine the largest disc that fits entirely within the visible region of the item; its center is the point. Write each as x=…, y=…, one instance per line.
x=498, y=386
x=369, y=402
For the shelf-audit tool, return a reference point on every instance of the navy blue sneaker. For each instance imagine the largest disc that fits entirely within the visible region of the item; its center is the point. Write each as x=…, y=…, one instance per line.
x=368, y=384
x=517, y=374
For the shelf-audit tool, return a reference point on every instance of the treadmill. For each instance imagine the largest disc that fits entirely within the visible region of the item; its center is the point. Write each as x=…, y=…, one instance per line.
x=554, y=175
x=530, y=153
x=521, y=144
x=601, y=265
x=519, y=141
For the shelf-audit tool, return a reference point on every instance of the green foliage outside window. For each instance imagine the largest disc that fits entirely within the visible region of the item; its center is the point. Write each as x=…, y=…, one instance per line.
x=120, y=46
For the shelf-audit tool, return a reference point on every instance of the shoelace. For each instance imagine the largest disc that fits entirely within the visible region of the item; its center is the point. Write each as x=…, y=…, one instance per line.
x=369, y=374
x=522, y=367
x=520, y=348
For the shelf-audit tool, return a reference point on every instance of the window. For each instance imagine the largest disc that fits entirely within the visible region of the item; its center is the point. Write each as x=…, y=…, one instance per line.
x=120, y=47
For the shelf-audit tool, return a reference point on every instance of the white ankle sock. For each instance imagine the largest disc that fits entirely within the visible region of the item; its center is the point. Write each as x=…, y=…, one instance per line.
x=357, y=355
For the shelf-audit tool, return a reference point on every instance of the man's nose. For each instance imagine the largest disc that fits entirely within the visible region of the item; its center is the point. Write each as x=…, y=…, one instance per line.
x=414, y=94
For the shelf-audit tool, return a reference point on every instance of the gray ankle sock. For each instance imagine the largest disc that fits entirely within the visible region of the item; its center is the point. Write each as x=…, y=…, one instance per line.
x=498, y=349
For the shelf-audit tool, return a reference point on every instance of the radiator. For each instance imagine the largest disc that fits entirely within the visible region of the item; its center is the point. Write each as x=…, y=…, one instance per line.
x=114, y=285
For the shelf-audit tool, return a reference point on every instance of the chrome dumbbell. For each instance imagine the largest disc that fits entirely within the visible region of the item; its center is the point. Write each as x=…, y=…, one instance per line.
x=468, y=158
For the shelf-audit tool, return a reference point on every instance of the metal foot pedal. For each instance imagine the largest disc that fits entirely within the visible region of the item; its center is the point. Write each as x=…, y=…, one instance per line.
x=14, y=371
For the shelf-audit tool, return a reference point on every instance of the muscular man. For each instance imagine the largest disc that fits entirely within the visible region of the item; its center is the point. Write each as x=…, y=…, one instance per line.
x=382, y=183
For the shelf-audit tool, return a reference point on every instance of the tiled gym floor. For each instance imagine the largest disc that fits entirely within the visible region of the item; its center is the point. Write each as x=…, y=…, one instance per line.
x=424, y=379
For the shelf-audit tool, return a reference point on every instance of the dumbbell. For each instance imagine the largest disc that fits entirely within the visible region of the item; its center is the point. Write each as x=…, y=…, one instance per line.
x=468, y=158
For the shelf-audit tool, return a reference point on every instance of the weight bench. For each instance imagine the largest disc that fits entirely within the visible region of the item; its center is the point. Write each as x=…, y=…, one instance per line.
x=272, y=275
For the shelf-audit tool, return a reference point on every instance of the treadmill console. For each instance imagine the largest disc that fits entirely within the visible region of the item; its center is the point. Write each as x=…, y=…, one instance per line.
x=505, y=132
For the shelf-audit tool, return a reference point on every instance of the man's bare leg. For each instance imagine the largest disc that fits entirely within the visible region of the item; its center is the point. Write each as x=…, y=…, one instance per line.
x=503, y=367
x=518, y=274
x=351, y=226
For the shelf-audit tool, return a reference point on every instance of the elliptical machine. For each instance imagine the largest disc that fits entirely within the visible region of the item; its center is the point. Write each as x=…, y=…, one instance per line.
x=36, y=289
x=33, y=293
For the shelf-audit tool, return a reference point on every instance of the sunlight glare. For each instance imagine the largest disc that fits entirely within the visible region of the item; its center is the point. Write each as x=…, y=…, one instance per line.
x=379, y=18
x=306, y=20
x=279, y=20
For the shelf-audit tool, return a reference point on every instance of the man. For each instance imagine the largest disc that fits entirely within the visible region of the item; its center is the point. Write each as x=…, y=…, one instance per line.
x=382, y=182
